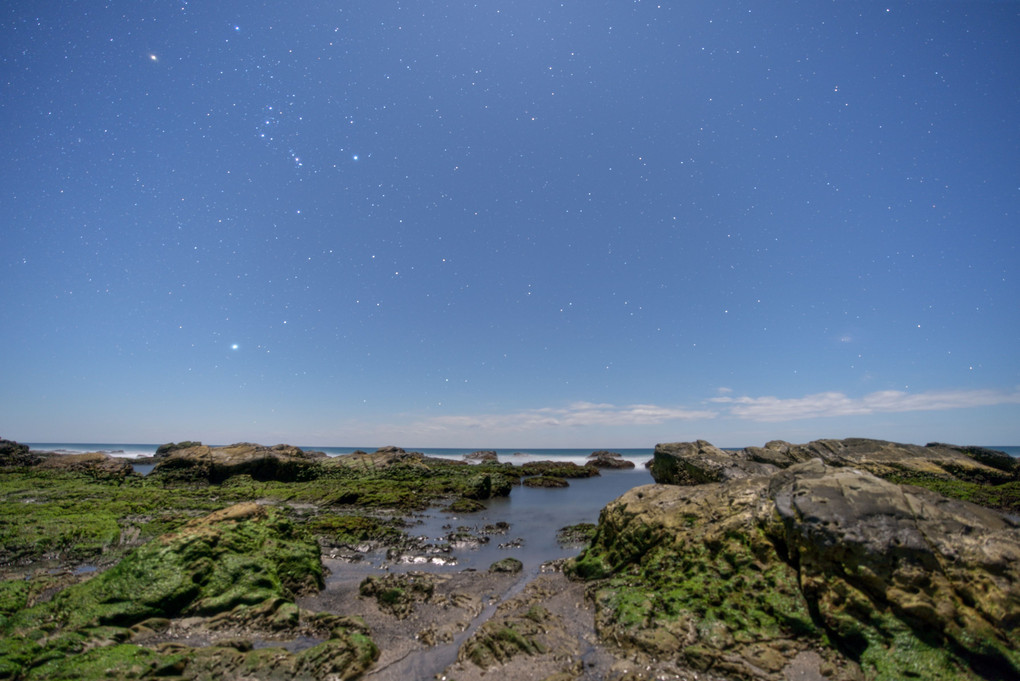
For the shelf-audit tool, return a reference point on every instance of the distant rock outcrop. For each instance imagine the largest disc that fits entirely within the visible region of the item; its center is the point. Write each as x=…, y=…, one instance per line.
x=606, y=459
x=812, y=559
x=487, y=456
x=380, y=458
x=99, y=465
x=16, y=454
x=215, y=464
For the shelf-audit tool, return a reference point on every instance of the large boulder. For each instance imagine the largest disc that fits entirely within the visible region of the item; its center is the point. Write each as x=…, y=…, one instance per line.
x=215, y=464
x=809, y=568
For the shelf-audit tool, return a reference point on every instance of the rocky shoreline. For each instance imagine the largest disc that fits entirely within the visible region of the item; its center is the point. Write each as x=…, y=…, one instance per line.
x=837, y=559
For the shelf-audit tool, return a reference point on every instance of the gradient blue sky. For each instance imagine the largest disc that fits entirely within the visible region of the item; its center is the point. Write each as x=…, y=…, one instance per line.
x=470, y=224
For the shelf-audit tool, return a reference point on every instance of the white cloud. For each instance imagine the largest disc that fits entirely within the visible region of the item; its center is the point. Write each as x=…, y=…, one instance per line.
x=838, y=404
x=578, y=414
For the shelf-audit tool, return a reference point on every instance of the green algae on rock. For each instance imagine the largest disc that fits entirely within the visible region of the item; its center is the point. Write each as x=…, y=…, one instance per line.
x=241, y=566
x=740, y=577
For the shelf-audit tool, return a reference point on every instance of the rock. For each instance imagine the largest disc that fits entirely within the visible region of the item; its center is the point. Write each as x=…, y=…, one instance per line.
x=988, y=457
x=465, y=506
x=216, y=464
x=751, y=577
x=384, y=457
x=559, y=469
x=98, y=465
x=893, y=459
x=163, y=450
x=522, y=626
x=511, y=565
x=226, y=578
x=16, y=454
x=579, y=534
x=696, y=463
x=545, y=481
x=693, y=463
x=487, y=456
x=398, y=594
x=604, y=459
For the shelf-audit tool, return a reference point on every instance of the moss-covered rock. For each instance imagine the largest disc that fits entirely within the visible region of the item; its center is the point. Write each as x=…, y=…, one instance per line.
x=559, y=469
x=237, y=567
x=509, y=565
x=356, y=528
x=741, y=577
x=216, y=464
x=545, y=481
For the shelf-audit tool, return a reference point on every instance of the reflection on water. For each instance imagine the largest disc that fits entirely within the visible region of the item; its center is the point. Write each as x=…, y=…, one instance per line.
x=533, y=515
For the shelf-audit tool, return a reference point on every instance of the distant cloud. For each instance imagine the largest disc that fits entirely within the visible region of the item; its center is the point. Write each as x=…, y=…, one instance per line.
x=838, y=404
x=574, y=415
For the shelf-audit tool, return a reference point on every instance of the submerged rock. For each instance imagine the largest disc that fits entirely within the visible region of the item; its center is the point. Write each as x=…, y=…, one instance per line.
x=747, y=575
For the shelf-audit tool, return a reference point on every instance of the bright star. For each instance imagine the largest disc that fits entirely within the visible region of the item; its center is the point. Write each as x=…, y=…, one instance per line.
x=234, y=346
x=355, y=157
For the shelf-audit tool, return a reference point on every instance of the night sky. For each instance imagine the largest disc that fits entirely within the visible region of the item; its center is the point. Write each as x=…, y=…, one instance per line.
x=471, y=224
